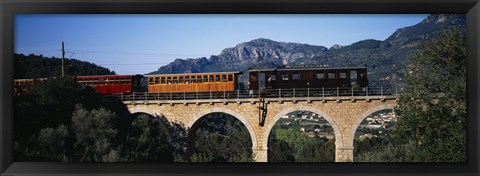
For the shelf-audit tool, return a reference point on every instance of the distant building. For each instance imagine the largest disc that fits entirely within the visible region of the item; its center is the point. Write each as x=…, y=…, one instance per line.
x=366, y=136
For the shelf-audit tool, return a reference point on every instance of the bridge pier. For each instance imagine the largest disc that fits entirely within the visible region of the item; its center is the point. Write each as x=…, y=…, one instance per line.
x=344, y=154
x=260, y=154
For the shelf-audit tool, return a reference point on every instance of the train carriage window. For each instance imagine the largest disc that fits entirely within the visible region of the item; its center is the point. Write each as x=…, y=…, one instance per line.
x=175, y=80
x=284, y=76
x=127, y=81
x=331, y=75
x=210, y=78
x=181, y=80
x=157, y=80
x=230, y=78
x=169, y=80
x=187, y=80
x=320, y=75
x=224, y=78
x=253, y=77
x=362, y=74
x=205, y=78
x=162, y=80
x=217, y=78
x=122, y=81
x=296, y=76
x=343, y=75
x=199, y=79
x=353, y=74
x=193, y=79
x=272, y=77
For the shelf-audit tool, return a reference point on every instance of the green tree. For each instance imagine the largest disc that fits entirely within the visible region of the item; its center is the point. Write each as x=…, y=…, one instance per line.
x=433, y=101
x=45, y=111
x=280, y=151
x=148, y=140
x=38, y=66
x=50, y=144
x=221, y=138
x=94, y=135
x=285, y=143
x=387, y=153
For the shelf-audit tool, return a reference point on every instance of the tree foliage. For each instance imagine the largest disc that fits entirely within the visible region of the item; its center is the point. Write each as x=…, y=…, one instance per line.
x=38, y=66
x=94, y=135
x=386, y=153
x=50, y=104
x=61, y=120
x=221, y=138
x=433, y=101
x=148, y=140
x=50, y=144
x=288, y=144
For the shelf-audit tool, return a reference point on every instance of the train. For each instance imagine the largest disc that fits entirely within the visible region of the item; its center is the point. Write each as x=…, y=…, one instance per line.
x=287, y=77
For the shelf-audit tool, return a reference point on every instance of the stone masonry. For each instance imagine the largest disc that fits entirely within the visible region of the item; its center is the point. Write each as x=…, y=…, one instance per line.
x=344, y=115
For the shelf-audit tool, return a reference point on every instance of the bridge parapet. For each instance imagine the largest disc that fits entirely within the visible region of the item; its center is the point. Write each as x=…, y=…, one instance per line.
x=256, y=100
x=268, y=93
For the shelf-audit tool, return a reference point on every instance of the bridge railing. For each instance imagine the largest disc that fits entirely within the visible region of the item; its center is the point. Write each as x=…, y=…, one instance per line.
x=268, y=93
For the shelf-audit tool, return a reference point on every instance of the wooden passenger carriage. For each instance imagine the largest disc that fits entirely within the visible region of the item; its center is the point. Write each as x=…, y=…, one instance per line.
x=193, y=82
x=308, y=77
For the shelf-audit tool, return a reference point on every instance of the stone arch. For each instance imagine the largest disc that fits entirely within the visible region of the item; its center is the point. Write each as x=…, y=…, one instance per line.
x=241, y=118
x=364, y=115
x=144, y=109
x=150, y=112
x=331, y=121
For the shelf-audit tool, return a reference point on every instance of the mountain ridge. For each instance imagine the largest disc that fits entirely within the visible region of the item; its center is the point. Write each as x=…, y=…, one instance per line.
x=385, y=59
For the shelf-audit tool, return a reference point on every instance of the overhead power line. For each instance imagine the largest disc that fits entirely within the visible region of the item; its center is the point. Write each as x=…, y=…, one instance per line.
x=133, y=53
x=135, y=64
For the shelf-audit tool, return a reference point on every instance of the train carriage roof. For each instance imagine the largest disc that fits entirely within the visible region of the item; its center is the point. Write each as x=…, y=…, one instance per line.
x=105, y=76
x=186, y=74
x=307, y=69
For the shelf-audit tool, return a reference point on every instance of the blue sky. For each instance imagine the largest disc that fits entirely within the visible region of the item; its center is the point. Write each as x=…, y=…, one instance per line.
x=139, y=44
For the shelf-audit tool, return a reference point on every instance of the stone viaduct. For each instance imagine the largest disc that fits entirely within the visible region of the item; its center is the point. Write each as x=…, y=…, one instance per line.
x=343, y=113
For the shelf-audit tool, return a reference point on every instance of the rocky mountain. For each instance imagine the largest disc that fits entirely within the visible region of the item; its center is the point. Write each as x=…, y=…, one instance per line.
x=385, y=59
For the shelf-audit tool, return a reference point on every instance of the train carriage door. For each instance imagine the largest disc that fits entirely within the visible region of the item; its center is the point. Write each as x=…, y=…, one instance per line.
x=271, y=80
x=252, y=81
x=136, y=83
x=255, y=79
x=262, y=81
x=353, y=78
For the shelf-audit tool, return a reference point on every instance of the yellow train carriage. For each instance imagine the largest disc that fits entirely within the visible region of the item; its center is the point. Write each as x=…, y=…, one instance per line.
x=193, y=82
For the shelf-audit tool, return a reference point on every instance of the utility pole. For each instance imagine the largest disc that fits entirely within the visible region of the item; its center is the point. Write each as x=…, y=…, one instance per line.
x=259, y=99
x=63, y=57
x=261, y=105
